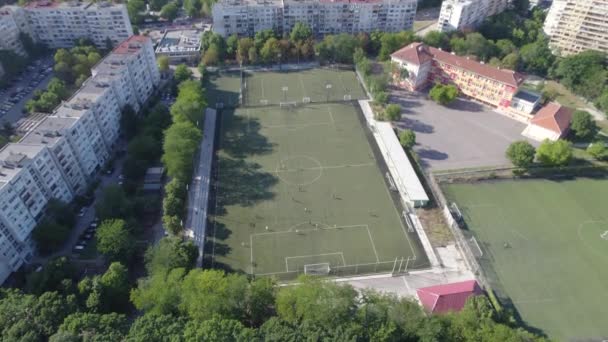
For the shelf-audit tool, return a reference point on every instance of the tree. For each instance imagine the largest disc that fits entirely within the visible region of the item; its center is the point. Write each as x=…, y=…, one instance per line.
x=437, y=39
x=443, y=94
x=115, y=287
x=94, y=327
x=583, y=72
x=156, y=5
x=583, y=125
x=211, y=56
x=232, y=45
x=170, y=253
x=154, y=327
x=163, y=63
x=190, y=103
x=253, y=55
x=270, y=51
x=169, y=11
x=134, y=8
x=602, y=102
x=160, y=293
x=114, y=240
x=392, y=112
x=407, y=138
x=521, y=153
x=181, y=141
x=316, y=301
x=50, y=277
x=206, y=293
x=218, y=330
x=300, y=32
x=391, y=42
x=598, y=150
x=537, y=57
x=554, y=153
x=182, y=73
x=113, y=204
x=50, y=235
x=242, y=50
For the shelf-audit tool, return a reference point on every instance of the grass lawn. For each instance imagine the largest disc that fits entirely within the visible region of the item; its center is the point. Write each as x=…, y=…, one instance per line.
x=545, y=247
x=420, y=24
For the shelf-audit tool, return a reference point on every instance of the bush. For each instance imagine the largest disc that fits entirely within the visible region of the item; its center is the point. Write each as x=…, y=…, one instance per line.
x=392, y=112
x=407, y=138
x=598, y=150
x=444, y=94
x=554, y=153
x=381, y=97
x=521, y=153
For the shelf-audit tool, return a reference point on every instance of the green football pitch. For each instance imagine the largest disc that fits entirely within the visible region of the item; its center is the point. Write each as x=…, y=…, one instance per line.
x=545, y=249
x=273, y=87
x=301, y=186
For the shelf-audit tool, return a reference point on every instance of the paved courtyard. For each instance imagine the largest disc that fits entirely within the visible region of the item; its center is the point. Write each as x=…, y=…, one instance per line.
x=463, y=135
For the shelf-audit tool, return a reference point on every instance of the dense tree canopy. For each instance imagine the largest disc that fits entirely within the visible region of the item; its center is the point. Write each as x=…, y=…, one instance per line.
x=114, y=239
x=443, y=94
x=554, y=153
x=521, y=153
x=583, y=125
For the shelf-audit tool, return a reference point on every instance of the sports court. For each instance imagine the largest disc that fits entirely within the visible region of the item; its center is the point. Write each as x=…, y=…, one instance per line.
x=299, y=189
x=544, y=247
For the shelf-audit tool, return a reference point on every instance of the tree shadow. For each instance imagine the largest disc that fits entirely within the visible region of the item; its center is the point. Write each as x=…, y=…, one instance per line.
x=220, y=231
x=415, y=125
x=431, y=154
x=241, y=138
x=216, y=94
x=243, y=183
x=466, y=105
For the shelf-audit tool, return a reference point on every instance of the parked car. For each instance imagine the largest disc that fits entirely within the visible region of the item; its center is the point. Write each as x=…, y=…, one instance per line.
x=78, y=248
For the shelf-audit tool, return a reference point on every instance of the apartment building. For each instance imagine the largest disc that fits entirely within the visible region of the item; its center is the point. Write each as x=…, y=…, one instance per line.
x=467, y=14
x=577, y=25
x=245, y=17
x=66, y=149
x=58, y=24
x=12, y=22
x=427, y=65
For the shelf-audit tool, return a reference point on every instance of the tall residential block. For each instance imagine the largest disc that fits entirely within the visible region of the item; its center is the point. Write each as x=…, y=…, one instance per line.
x=59, y=24
x=246, y=17
x=468, y=14
x=64, y=151
x=577, y=25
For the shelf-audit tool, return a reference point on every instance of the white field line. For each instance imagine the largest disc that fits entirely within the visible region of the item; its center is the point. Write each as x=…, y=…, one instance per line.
x=313, y=255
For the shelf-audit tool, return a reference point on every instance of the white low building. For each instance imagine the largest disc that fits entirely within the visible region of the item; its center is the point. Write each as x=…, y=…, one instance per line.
x=64, y=151
x=180, y=46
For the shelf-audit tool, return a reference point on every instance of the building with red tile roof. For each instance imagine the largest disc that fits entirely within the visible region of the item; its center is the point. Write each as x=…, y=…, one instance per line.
x=427, y=65
x=448, y=297
x=551, y=122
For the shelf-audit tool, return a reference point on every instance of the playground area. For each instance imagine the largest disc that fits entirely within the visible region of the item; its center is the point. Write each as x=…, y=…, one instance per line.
x=543, y=246
x=300, y=188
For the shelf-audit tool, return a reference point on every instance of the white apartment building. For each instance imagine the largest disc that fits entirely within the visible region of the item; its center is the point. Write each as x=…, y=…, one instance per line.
x=245, y=17
x=12, y=22
x=58, y=24
x=467, y=14
x=66, y=149
x=577, y=25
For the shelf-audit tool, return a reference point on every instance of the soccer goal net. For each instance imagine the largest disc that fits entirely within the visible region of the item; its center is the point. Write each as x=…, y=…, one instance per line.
x=604, y=235
x=317, y=269
x=264, y=102
x=291, y=104
x=306, y=99
x=347, y=97
x=456, y=212
x=475, y=247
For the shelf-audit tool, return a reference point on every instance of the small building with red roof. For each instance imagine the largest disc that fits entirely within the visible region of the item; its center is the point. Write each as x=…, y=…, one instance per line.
x=448, y=297
x=427, y=65
x=550, y=122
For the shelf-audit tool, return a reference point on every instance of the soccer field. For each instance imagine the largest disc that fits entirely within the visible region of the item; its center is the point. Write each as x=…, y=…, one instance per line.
x=303, y=186
x=545, y=247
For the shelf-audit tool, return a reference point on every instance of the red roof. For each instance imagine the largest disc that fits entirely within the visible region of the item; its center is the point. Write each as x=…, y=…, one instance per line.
x=43, y=4
x=553, y=117
x=131, y=45
x=448, y=297
x=419, y=53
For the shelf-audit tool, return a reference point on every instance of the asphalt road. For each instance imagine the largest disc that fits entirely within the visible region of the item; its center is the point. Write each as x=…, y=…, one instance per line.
x=16, y=113
x=198, y=195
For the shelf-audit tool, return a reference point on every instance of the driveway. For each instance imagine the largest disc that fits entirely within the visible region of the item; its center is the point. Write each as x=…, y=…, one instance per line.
x=463, y=135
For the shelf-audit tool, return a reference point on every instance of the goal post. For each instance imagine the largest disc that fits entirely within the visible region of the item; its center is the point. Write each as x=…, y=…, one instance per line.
x=475, y=247
x=306, y=99
x=347, y=97
x=317, y=269
x=290, y=104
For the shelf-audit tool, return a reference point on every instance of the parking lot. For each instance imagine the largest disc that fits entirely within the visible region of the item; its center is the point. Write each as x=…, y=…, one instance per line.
x=13, y=98
x=463, y=135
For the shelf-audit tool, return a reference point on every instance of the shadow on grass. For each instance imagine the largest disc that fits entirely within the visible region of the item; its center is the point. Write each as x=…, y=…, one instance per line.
x=244, y=183
x=242, y=138
x=215, y=94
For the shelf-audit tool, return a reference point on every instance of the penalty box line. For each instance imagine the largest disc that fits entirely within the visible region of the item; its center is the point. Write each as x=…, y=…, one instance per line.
x=293, y=230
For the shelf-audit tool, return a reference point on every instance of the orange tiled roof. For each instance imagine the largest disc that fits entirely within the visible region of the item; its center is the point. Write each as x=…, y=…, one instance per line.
x=419, y=53
x=553, y=117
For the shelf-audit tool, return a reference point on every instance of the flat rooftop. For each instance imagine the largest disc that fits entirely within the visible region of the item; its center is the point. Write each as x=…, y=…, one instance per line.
x=186, y=40
x=13, y=156
x=250, y=2
x=49, y=130
x=527, y=96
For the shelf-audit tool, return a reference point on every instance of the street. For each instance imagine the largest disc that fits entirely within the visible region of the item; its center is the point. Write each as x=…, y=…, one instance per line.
x=198, y=195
